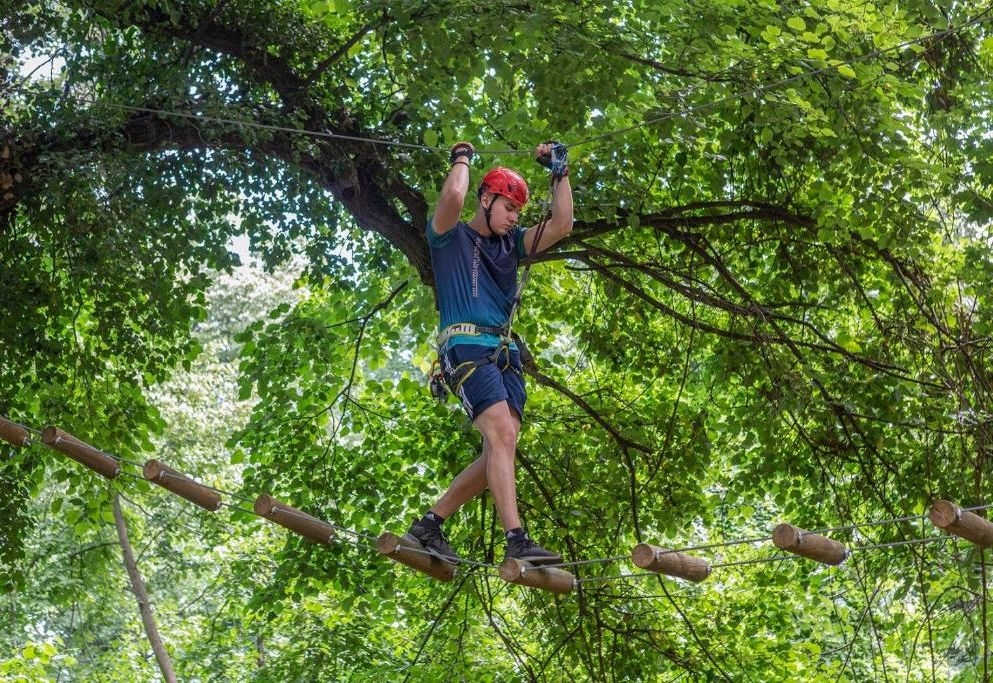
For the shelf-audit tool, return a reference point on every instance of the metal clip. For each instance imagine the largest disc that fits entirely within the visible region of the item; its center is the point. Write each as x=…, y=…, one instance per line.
x=560, y=160
x=438, y=389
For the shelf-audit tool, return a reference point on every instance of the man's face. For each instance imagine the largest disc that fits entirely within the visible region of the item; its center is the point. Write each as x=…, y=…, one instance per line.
x=503, y=214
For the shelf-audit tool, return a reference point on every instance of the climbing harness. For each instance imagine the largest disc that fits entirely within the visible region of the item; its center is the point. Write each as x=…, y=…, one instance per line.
x=505, y=181
x=462, y=372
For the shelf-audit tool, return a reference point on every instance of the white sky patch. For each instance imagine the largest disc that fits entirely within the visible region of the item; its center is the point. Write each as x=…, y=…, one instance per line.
x=239, y=245
x=42, y=67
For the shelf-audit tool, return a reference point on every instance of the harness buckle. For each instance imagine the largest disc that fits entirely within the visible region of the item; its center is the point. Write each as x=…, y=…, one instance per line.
x=436, y=382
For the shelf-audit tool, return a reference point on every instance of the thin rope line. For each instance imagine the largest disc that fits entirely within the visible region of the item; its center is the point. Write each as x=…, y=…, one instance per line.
x=577, y=563
x=760, y=560
x=938, y=35
x=357, y=543
x=422, y=551
x=892, y=544
x=723, y=544
x=283, y=129
x=241, y=509
x=882, y=522
x=358, y=534
x=462, y=561
x=618, y=577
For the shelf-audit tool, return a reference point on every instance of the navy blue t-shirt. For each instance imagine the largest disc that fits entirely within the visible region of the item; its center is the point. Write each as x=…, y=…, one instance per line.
x=475, y=278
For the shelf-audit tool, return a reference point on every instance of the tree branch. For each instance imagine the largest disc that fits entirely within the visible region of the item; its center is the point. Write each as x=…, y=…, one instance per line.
x=343, y=49
x=621, y=440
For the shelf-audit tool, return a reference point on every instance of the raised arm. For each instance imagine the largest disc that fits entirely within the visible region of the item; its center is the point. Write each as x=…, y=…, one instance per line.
x=560, y=222
x=452, y=195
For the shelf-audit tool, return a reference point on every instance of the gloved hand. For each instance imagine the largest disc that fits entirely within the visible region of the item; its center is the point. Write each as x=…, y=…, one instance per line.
x=462, y=149
x=555, y=157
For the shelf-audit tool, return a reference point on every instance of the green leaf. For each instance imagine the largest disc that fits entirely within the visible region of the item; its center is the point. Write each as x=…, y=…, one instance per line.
x=797, y=24
x=986, y=47
x=846, y=71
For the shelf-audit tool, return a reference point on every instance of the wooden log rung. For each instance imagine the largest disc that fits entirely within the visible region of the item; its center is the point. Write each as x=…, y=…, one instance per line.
x=550, y=579
x=177, y=482
x=81, y=452
x=951, y=518
x=296, y=521
x=409, y=552
x=801, y=542
x=668, y=562
x=14, y=434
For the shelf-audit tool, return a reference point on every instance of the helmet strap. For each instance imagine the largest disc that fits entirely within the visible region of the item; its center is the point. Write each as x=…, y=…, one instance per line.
x=487, y=210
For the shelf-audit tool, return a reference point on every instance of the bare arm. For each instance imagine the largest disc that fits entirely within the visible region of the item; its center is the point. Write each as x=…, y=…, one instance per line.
x=560, y=222
x=452, y=195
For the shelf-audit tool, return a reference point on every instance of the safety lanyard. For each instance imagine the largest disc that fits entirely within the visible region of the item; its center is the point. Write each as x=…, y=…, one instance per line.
x=538, y=232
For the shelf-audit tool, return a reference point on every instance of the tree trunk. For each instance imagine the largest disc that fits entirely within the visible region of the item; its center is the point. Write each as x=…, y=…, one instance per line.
x=260, y=647
x=138, y=586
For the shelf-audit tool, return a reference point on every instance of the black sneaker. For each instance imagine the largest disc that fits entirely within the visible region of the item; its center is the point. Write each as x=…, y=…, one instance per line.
x=523, y=548
x=433, y=539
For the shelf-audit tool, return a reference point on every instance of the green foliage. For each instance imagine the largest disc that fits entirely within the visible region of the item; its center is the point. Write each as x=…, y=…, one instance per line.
x=774, y=305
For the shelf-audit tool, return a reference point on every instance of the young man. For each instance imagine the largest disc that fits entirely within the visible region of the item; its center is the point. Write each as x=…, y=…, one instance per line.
x=475, y=268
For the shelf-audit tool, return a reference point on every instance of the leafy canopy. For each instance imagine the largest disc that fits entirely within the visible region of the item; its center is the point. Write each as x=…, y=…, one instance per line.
x=774, y=305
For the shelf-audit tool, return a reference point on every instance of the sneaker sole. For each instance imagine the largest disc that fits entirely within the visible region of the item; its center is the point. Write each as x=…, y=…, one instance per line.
x=432, y=551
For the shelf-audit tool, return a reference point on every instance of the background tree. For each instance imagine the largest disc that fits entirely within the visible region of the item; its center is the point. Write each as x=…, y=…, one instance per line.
x=774, y=305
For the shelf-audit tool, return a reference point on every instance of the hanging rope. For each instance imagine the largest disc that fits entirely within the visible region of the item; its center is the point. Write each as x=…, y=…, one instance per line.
x=539, y=231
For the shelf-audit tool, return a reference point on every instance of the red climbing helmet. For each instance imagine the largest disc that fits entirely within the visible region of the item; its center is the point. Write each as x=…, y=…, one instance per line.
x=505, y=182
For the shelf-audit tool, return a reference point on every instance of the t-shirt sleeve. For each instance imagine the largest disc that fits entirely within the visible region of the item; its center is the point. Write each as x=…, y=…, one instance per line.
x=434, y=239
x=522, y=251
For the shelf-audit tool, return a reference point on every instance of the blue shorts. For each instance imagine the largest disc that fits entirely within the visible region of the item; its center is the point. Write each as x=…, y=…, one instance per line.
x=489, y=383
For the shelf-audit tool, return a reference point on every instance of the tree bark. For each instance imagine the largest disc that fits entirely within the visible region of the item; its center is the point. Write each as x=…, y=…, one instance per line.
x=260, y=648
x=138, y=586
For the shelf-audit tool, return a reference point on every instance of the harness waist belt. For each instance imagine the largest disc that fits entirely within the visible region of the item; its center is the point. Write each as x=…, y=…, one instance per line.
x=468, y=329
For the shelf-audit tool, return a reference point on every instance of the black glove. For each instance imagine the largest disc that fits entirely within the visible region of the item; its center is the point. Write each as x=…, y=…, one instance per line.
x=462, y=149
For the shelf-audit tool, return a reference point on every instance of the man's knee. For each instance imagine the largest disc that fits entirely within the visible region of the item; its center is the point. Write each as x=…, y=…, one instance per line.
x=499, y=425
